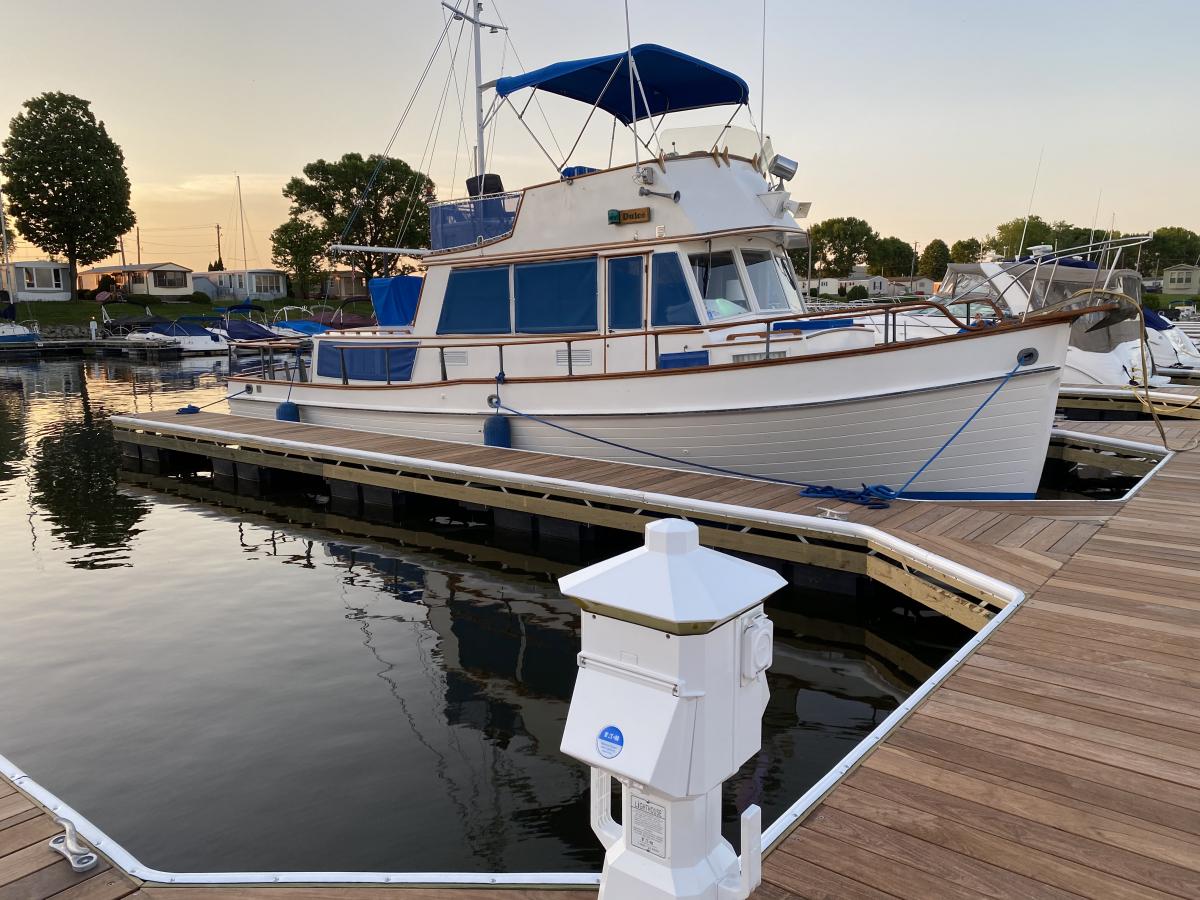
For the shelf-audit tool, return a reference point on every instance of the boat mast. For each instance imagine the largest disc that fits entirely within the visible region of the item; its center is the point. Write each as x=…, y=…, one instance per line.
x=476, y=25
x=4, y=242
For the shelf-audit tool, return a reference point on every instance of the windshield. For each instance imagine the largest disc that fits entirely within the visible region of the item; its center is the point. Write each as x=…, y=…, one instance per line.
x=772, y=282
x=719, y=284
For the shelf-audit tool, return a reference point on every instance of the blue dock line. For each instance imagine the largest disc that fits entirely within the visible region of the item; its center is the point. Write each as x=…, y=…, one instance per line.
x=873, y=496
x=191, y=409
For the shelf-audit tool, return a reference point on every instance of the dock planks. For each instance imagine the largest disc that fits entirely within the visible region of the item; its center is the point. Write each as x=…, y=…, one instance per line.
x=1062, y=759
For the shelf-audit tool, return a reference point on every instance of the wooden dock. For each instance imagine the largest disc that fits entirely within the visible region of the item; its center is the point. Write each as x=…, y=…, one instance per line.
x=1060, y=759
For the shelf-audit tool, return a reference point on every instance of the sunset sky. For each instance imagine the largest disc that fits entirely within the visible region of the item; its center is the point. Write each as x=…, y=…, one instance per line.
x=924, y=117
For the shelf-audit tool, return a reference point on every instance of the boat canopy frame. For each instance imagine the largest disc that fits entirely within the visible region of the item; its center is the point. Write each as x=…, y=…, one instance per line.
x=677, y=83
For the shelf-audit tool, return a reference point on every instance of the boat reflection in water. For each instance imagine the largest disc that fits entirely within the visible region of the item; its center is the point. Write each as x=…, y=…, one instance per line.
x=226, y=682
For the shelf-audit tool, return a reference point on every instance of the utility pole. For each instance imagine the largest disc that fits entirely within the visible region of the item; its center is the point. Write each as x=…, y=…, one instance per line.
x=218, y=242
x=139, y=244
x=477, y=24
x=122, y=249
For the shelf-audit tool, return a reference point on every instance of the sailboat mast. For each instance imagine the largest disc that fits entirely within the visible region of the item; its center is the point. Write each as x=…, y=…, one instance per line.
x=242, y=221
x=4, y=243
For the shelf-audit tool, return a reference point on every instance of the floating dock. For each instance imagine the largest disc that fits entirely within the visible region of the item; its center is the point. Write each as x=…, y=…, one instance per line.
x=58, y=349
x=1056, y=755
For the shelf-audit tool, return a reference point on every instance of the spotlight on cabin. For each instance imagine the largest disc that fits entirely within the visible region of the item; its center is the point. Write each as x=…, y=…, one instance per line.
x=783, y=168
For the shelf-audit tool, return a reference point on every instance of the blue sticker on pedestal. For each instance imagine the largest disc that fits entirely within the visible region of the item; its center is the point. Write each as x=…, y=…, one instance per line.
x=610, y=741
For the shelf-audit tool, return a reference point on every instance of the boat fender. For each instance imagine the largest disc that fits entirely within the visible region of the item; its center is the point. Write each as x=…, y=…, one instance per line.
x=497, y=431
x=287, y=411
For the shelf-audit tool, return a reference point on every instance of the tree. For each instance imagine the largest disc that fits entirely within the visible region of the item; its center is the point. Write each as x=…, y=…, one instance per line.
x=890, y=257
x=934, y=259
x=858, y=292
x=394, y=212
x=298, y=247
x=966, y=251
x=65, y=179
x=1168, y=247
x=218, y=266
x=838, y=245
x=1007, y=239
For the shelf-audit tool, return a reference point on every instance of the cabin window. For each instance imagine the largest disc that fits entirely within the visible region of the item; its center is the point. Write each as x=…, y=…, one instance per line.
x=57, y=278
x=671, y=301
x=170, y=279
x=768, y=279
x=555, y=297
x=389, y=363
x=625, y=274
x=476, y=302
x=29, y=282
x=720, y=286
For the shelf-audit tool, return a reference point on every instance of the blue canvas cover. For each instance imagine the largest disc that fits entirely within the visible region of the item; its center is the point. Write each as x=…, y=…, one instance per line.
x=245, y=330
x=812, y=325
x=395, y=299
x=1154, y=321
x=672, y=81
x=374, y=362
x=304, y=326
x=181, y=329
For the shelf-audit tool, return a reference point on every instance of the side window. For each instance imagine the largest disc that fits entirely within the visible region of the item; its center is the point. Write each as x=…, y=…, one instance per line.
x=556, y=297
x=625, y=292
x=476, y=302
x=671, y=301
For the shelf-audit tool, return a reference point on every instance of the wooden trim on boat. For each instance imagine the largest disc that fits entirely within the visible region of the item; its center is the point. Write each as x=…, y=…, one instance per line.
x=1029, y=325
x=594, y=249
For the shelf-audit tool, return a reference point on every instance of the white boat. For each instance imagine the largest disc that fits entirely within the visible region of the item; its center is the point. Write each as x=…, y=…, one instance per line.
x=18, y=333
x=1105, y=348
x=192, y=338
x=648, y=313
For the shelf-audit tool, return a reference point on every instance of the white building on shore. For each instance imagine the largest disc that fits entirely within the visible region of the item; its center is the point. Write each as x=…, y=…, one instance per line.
x=36, y=280
x=166, y=279
x=242, y=284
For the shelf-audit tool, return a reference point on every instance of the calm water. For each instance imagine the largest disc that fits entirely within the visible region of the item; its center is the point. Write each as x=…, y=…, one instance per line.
x=229, y=684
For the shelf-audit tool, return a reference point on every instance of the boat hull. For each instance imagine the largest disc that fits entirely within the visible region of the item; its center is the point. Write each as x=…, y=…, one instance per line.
x=873, y=418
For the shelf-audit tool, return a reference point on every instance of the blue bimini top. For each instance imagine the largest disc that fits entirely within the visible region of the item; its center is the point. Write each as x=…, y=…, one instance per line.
x=671, y=81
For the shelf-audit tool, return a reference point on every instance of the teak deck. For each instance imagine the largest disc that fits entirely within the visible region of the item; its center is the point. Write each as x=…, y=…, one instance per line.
x=1062, y=759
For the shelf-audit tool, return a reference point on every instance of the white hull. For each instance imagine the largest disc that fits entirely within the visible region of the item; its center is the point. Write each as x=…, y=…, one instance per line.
x=193, y=345
x=873, y=418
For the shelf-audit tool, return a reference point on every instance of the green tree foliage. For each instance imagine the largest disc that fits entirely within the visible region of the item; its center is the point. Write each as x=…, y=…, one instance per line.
x=967, y=250
x=1007, y=239
x=298, y=247
x=840, y=244
x=393, y=213
x=890, y=257
x=934, y=259
x=65, y=180
x=858, y=292
x=799, y=257
x=1168, y=247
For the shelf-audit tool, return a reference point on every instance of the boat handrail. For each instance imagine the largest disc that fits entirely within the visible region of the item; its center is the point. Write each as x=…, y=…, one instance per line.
x=889, y=310
x=402, y=341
